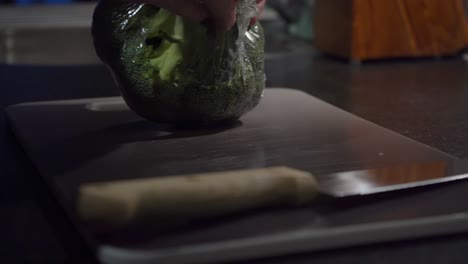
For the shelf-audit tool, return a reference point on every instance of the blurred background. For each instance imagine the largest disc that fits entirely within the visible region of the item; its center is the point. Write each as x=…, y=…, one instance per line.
x=58, y=31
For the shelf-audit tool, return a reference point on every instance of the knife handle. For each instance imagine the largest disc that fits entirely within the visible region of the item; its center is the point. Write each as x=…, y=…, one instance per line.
x=164, y=201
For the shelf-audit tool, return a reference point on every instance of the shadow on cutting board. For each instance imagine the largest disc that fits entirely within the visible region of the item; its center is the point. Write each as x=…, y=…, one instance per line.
x=102, y=141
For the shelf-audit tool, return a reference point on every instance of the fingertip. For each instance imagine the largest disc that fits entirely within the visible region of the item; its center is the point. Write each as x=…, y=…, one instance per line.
x=229, y=26
x=253, y=21
x=202, y=15
x=197, y=14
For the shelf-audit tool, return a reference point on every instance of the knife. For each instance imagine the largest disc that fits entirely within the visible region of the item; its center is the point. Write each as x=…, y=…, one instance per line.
x=162, y=202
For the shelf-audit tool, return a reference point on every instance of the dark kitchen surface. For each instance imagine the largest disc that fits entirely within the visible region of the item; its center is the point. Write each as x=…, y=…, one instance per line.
x=422, y=99
x=288, y=128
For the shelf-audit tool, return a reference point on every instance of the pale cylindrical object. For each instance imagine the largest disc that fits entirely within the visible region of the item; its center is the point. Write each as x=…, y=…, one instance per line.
x=172, y=200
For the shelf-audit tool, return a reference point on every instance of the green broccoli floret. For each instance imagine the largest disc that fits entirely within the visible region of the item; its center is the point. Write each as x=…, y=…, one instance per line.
x=173, y=70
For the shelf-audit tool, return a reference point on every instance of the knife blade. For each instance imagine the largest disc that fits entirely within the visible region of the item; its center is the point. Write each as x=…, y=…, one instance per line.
x=174, y=200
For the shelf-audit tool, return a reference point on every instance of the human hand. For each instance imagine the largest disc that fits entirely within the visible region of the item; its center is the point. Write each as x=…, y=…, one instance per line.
x=221, y=12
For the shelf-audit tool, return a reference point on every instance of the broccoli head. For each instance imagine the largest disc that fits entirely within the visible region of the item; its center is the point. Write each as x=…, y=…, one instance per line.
x=173, y=70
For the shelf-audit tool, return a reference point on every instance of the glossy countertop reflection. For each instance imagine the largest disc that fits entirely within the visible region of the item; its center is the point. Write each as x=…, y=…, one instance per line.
x=100, y=140
x=424, y=100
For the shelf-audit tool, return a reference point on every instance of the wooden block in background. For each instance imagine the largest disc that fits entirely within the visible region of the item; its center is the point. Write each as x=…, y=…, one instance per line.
x=375, y=29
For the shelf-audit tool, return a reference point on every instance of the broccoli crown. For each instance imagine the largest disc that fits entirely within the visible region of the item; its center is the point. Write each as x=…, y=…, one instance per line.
x=172, y=70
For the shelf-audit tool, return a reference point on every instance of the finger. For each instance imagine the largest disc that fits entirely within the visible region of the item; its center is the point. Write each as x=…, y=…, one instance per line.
x=261, y=7
x=223, y=13
x=190, y=9
x=253, y=21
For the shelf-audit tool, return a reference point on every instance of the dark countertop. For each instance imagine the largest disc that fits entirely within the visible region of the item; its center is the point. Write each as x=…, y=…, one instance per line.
x=421, y=99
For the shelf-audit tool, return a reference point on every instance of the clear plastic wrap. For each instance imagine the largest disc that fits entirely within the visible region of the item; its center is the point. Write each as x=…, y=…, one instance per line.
x=170, y=69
